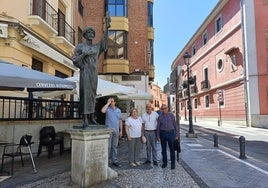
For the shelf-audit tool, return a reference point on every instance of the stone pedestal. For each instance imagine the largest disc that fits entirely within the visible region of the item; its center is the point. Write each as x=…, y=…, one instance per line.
x=90, y=156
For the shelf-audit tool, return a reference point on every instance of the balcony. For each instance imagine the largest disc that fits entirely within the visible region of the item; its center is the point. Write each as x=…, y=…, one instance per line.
x=66, y=31
x=43, y=17
x=46, y=21
x=205, y=85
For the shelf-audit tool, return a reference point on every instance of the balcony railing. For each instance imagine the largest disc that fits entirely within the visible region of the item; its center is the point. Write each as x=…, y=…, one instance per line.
x=17, y=108
x=205, y=84
x=65, y=30
x=50, y=16
x=45, y=11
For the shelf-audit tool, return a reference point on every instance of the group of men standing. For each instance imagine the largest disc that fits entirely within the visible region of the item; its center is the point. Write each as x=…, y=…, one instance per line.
x=155, y=127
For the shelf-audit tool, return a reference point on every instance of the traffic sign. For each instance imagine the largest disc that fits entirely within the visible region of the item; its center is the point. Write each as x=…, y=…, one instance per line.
x=220, y=98
x=220, y=95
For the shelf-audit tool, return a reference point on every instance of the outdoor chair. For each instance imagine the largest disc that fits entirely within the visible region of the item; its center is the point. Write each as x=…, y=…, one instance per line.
x=12, y=150
x=49, y=139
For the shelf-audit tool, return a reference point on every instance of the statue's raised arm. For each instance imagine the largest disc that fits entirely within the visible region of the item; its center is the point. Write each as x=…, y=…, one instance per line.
x=105, y=35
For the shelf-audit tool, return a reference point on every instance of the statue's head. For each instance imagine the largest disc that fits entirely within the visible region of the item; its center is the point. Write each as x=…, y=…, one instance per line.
x=89, y=32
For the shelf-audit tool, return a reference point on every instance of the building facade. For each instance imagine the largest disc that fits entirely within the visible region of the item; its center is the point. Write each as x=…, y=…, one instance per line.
x=42, y=35
x=38, y=35
x=129, y=58
x=159, y=97
x=228, y=69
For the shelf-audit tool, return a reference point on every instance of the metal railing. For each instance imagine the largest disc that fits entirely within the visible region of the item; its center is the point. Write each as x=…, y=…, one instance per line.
x=50, y=15
x=17, y=108
x=45, y=11
x=205, y=84
x=65, y=30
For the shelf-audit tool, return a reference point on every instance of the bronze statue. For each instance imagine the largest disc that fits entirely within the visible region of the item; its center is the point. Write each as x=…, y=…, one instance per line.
x=86, y=59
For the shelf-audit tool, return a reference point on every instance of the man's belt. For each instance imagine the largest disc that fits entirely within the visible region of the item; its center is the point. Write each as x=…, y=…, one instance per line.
x=150, y=130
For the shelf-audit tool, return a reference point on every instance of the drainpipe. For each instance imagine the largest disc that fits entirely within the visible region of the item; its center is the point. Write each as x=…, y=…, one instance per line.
x=248, y=117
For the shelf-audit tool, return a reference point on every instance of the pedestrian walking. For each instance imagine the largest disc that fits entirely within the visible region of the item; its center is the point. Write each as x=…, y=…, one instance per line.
x=113, y=120
x=133, y=126
x=149, y=119
x=167, y=132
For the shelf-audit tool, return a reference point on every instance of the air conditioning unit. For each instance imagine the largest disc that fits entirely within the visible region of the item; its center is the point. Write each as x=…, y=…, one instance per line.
x=3, y=30
x=137, y=70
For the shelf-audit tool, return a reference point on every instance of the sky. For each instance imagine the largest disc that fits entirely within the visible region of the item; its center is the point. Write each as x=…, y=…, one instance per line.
x=175, y=22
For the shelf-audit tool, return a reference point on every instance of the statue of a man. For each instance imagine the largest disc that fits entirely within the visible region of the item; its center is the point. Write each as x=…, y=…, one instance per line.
x=86, y=59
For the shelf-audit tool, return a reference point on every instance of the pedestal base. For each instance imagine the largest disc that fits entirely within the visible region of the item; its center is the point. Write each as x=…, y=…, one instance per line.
x=90, y=156
x=191, y=135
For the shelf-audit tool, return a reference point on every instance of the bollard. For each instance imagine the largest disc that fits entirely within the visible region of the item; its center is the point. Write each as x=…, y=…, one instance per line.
x=242, y=142
x=195, y=119
x=215, y=140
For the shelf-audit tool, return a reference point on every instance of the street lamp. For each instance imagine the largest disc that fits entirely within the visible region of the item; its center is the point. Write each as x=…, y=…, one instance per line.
x=190, y=133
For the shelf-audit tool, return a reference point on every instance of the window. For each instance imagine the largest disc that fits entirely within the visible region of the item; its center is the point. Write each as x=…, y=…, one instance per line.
x=218, y=24
x=80, y=35
x=150, y=52
x=60, y=74
x=195, y=103
x=39, y=8
x=117, y=45
x=117, y=7
x=150, y=14
x=207, y=101
x=61, y=23
x=205, y=38
x=233, y=59
x=80, y=7
x=220, y=65
x=37, y=65
x=206, y=73
x=193, y=50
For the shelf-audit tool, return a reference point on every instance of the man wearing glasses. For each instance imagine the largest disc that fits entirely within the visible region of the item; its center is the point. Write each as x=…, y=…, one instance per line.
x=167, y=132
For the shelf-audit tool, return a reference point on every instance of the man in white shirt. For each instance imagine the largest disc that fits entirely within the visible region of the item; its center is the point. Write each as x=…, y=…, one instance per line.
x=149, y=126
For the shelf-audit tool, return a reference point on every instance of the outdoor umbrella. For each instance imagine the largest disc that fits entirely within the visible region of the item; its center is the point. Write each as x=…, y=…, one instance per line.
x=14, y=77
x=138, y=95
x=105, y=88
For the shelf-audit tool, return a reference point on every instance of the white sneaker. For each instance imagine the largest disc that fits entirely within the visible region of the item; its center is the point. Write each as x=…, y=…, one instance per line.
x=137, y=163
x=132, y=164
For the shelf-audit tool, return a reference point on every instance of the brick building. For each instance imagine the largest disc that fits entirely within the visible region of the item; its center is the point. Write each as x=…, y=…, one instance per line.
x=229, y=55
x=129, y=59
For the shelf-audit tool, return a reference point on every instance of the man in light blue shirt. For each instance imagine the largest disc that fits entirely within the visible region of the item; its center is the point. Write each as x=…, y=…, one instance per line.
x=114, y=121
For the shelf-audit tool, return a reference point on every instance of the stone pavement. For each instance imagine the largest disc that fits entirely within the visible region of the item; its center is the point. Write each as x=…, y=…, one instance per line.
x=220, y=166
x=140, y=176
x=201, y=165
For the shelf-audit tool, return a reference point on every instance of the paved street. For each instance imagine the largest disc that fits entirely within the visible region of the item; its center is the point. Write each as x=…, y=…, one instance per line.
x=221, y=166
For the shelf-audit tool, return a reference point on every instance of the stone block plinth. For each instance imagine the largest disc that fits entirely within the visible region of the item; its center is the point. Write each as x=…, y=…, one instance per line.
x=90, y=155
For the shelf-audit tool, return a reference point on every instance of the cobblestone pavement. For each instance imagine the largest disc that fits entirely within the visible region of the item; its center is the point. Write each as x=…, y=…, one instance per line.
x=140, y=176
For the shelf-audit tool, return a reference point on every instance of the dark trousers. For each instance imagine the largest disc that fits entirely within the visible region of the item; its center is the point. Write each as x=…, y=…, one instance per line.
x=168, y=137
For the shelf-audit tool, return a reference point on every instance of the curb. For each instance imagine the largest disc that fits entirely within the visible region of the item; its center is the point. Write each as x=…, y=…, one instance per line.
x=194, y=175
